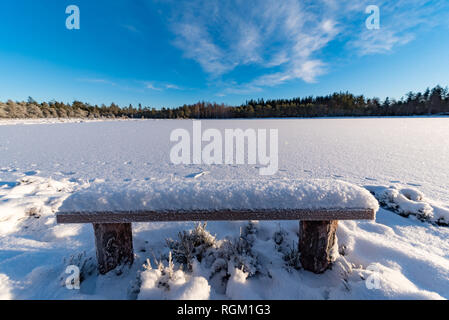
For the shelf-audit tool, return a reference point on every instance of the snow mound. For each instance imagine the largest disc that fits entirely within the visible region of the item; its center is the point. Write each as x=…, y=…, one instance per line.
x=164, y=283
x=180, y=287
x=31, y=197
x=220, y=195
x=410, y=202
x=238, y=287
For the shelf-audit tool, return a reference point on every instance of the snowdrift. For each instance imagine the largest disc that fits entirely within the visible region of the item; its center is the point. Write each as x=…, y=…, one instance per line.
x=410, y=202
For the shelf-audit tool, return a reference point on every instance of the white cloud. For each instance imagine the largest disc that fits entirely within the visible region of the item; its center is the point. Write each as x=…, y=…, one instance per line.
x=157, y=86
x=400, y=21
x=151, y=86
x=222, y=35
x=380, y=41
x=285, y=38
x=173, y=87
x=198, y=45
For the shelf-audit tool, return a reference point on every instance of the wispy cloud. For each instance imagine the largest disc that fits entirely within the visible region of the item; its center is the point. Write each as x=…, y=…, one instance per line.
x=400, y=22
x=161, y=86
x=221, y=35
x=284, y=38
x=380, y=41
x=151, y=86
x=170, y=86
x=131, y=28
x=281, y=37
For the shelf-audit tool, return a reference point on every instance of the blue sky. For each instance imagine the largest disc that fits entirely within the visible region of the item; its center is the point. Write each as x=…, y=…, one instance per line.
x=167, y=53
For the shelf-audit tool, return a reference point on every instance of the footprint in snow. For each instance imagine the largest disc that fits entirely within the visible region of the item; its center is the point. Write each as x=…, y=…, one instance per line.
x=7, y=184
x=31, y=173
x=414, y=184
x=68, y=173
x=197, y=175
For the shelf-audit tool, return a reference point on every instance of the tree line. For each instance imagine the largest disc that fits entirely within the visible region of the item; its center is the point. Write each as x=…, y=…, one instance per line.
x=430, y=102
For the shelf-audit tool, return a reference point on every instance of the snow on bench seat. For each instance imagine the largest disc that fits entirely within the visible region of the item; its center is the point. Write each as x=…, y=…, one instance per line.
x=187, y=200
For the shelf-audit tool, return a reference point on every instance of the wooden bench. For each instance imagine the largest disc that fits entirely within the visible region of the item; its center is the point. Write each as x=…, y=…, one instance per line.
x=113, y=231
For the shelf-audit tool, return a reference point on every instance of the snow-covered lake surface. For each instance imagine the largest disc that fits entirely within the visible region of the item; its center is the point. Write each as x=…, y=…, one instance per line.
x=409, y=151
x=41, y=165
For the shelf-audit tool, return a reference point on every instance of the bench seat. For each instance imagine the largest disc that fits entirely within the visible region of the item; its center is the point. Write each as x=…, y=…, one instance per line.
x=220, y=215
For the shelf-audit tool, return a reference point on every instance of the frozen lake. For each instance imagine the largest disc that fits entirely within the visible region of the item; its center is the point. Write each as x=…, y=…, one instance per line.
x=386, y=151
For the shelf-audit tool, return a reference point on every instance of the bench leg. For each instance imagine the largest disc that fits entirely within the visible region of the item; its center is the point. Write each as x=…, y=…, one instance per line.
x=316, y=240
x=114, y=243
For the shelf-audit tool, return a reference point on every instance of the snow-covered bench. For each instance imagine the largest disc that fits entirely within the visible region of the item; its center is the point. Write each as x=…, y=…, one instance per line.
x=317, y=204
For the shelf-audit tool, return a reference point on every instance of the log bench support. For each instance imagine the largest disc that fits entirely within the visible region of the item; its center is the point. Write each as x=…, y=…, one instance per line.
x=114, y=244
x=316, y=241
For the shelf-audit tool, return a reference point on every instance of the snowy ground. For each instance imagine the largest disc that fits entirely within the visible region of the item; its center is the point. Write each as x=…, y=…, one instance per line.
x=42, y=165
x=9, y=122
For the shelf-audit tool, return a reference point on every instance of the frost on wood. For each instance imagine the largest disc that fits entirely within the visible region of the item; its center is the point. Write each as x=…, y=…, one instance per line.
x=114, y=245
x=316, y=243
